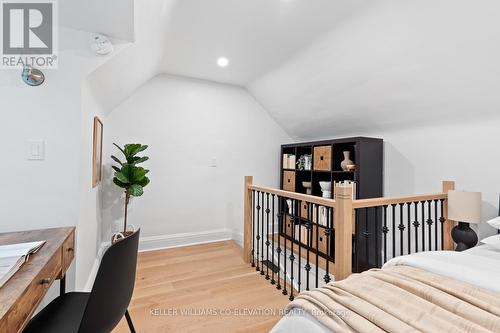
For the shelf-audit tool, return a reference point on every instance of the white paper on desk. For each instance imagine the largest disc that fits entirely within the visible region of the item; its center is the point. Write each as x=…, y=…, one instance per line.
x=12, y=257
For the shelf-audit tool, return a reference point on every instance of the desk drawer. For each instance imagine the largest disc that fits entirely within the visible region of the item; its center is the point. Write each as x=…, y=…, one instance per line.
x=21, y=312
x=68, y=253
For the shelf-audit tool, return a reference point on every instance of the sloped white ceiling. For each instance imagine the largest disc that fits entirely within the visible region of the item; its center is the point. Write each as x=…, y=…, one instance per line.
x=256, y=35
x=396, y=64
x=110, y=17
x=324, y=68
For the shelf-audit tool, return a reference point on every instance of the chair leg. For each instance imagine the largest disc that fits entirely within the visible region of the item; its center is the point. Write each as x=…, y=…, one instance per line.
x=129, y=322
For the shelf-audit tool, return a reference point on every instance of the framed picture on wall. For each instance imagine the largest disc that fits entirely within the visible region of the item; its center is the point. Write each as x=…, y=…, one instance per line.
x=97, y=153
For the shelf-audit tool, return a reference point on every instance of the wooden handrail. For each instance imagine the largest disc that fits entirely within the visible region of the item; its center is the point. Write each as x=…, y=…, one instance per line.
x=449, y=245
x=247, y=218
x=344, y=209
x=376, y=202
x=293, y=195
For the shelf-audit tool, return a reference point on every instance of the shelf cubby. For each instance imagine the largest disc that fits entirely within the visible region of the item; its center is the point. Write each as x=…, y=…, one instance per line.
x=327, y=155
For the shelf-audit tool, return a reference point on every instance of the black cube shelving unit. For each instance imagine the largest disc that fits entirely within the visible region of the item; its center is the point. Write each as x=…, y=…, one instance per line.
x=367, y=154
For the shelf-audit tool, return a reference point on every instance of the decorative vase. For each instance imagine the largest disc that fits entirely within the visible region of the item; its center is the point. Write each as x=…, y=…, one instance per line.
x=289, y=204
x=326, y=189
x=307, y=162
x=347, y=161
x=308, y=187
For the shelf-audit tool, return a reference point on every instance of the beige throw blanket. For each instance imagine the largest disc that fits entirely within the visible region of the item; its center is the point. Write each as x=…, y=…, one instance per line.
x=402, y=299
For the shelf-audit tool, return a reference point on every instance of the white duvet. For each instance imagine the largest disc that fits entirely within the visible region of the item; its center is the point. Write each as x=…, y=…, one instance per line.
x=479, y=266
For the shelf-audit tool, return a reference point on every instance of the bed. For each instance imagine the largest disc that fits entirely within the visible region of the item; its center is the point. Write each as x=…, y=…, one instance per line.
x=472, y=273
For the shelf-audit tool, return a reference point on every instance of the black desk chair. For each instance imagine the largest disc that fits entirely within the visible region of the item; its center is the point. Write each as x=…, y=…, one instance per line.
x=102, y=309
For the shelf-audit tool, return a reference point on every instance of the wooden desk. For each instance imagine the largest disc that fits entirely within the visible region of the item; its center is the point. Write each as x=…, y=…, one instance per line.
x=22, y=294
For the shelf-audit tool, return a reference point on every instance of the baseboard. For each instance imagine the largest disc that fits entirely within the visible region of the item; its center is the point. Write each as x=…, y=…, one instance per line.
x=152, y=243
x=95, y=267
x=237, y=237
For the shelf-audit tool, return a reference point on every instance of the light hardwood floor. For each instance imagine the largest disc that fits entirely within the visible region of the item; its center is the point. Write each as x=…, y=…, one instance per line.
x=209, y=277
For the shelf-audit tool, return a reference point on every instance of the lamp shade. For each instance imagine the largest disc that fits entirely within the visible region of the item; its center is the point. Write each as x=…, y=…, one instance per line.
x=464, y=206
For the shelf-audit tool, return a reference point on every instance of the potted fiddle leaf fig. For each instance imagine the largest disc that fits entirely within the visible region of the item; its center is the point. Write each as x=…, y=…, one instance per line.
x=129, y=175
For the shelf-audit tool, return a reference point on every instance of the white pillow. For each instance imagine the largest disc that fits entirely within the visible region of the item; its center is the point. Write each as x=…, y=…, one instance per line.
x=493, y=241
x=495, y=223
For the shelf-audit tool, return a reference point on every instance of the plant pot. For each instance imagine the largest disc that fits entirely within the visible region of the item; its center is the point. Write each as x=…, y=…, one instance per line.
x=119, y=235
x=347, y=161
x=308, y=187
x=307, y=163
x=326, y=189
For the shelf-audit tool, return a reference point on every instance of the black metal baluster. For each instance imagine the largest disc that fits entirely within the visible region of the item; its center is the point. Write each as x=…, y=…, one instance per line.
x=442, y=220
x=317, y=246
x=377, y=250
x=366, y=235
x=401, y=228
x=416, y=224
x=436, y=226
x=328, y=233
x=253, y=228
x=258, y=226
x=393, y=230
x=292, y=256
x=285, y=292
x=272, y=238
x=267, y=236
x=299, y=270
x=408, y=206
x=423, y=225
x=280, y=228
x=262, y=230
x=429, y=222
x=308, y=226
x=385, y=230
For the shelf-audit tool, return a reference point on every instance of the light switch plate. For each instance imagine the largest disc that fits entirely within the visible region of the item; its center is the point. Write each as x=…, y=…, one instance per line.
x=35, y=150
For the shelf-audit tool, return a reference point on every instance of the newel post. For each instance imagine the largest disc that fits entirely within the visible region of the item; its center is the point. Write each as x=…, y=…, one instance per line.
x=448, y=245
x=344, y=226
x=247, y=226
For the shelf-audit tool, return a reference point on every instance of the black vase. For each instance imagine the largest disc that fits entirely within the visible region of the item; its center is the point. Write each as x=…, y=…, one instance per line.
x=464, y=236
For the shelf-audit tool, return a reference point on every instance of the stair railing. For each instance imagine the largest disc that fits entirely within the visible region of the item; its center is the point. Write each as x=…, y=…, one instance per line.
x=287, y=234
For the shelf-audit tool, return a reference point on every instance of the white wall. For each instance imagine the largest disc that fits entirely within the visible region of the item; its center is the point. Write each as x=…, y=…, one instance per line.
x=56, y=191
x=187, y=123
x=417, y=160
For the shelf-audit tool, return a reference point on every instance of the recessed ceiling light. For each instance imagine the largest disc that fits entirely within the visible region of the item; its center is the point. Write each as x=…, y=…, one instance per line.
x=223, y=62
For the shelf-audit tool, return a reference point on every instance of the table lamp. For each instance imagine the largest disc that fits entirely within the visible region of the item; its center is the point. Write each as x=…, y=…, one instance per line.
x=465, y=208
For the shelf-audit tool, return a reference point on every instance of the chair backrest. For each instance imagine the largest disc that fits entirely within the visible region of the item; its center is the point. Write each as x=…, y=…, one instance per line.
x=113, y=287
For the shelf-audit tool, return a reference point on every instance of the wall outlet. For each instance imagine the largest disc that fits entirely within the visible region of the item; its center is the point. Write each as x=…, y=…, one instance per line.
x=35, y=150
x=117, y=226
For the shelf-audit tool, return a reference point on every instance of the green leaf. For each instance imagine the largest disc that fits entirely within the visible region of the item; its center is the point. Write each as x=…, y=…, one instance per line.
x=121, y=177
x=139, y=149
x=117, y=169
x=127, y=170
x=144, y=182
x=135, y=190
x=119, y=183
x=138, y=173
x=130, y=148
x=114, y=158
x=136, y=160
x=120, y=148
x=146, y=171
